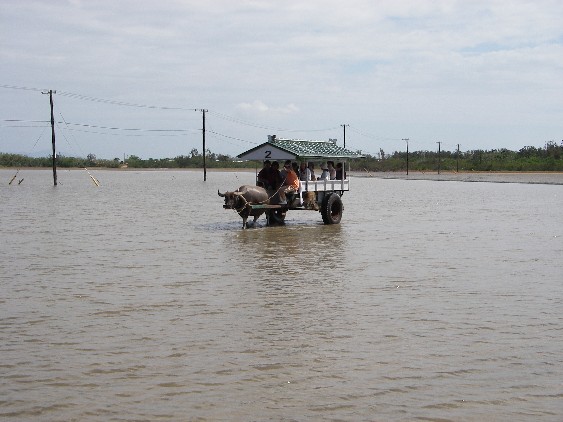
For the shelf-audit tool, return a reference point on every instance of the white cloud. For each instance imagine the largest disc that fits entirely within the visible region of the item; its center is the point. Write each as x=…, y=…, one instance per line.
x=386, y=67
x=258, y=107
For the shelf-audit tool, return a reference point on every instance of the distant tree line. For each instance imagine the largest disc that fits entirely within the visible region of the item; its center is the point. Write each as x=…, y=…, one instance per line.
x=193, y=160
x=526, y=159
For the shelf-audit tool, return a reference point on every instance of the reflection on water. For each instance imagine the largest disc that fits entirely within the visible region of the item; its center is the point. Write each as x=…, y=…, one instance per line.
x=144, y=300
x=289, y=250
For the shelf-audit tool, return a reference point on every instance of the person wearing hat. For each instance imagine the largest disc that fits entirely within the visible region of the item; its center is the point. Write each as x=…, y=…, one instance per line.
x=325, y=175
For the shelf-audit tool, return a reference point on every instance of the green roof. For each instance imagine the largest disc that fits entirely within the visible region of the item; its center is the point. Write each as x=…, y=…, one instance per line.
x=278, y=149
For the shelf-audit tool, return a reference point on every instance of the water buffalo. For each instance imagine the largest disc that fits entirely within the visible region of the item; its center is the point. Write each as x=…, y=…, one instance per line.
x=244, y=196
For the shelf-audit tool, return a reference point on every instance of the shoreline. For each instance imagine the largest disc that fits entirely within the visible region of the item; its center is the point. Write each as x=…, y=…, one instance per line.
x=535, y=177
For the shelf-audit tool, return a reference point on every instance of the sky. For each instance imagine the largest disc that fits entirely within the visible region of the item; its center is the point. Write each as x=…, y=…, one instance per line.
x=133, y=76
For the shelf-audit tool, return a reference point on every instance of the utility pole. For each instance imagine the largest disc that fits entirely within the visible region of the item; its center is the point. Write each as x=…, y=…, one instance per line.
x=407, y=140
x=439, y=145
x=344, y=126
x=457, y=160
x=51, y=92
x=203, y=111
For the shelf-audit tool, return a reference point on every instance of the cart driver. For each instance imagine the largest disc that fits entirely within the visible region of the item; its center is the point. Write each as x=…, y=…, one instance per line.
x=290, y=184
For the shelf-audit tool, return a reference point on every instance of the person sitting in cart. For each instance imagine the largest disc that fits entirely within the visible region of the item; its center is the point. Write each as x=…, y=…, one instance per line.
x=290, y=184
x=275, y=175
x=331, y=169
x=340, y=172
x=304, y=172
x=311, y=167
x=325, y=175
x=295, y=168
x=284, y=170
x=265, y=175
x=283, y=173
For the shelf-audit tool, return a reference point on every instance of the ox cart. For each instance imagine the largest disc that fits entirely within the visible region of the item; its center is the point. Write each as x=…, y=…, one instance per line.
x=322, y=195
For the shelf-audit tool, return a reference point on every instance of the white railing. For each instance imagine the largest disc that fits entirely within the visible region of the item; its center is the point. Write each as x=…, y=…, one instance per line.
x=324, y=185
x=320, y=186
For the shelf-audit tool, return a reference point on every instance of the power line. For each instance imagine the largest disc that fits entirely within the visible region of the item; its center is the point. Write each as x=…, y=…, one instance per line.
x=90, y=128
x=242, y=122
x=231, y=137
x=20, y=123
x=138, y=133
x=24, y=88
x=121, y=103
x=86, y=125
x=25, y=126
x=125, y=129
x=155, y=107
x=25, y=121
x=371, y=136
x=258, y=126
x=100, y=100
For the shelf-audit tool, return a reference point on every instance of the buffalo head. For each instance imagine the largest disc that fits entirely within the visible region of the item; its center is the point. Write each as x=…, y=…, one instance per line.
x=233, y=200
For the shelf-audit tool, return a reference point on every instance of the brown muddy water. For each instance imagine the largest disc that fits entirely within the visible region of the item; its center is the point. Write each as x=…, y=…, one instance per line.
x=143, y=299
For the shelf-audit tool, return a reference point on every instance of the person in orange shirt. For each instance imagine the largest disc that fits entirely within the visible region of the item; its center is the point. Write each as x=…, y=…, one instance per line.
x=290, y=184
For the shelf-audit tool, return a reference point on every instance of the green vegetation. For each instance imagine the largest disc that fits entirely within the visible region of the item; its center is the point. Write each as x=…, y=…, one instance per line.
x=526, y=159
x=194, y=160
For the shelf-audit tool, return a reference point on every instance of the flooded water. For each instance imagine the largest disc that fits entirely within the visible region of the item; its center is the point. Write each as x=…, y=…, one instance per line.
x=143, y=299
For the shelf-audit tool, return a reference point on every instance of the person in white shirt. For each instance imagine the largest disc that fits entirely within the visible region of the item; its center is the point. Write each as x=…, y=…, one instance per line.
x=325, y=175
x=331, y=169
x=305, y=172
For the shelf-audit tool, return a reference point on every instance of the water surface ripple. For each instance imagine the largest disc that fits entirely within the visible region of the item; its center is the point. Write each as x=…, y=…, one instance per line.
x=144, y=300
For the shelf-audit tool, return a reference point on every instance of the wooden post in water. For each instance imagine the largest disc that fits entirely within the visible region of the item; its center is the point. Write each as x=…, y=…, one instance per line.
x=51, y=92
x=439, y=144
x=203, y=111
x=407, y=140
x=457, y=160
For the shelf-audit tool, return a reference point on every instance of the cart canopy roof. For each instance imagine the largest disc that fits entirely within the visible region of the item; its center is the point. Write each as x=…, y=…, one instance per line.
x=297, y=149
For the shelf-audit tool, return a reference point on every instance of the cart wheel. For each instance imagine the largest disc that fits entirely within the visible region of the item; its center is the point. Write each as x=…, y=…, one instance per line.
x=275, y=217
x=332, y=208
